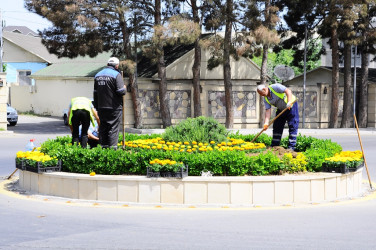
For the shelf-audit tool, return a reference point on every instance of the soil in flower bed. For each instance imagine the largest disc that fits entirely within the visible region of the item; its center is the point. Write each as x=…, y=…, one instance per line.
x=281, y=151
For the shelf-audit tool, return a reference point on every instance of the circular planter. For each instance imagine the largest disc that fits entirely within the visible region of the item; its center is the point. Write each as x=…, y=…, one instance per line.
x=197, y=190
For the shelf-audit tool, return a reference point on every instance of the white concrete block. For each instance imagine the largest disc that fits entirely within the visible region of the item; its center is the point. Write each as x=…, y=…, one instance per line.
x=263, y=193
x=350, y=184
x=341, y=186
x=56, y=186
x=149, y=192
x=172, y=192
x=44, y=184
x=241, y=192
x=70, y=188
x=219, y=193
x=284, y=192
x=107, y=190
x=87, y=189
x=195, y=193
x=128, y=191
x=21, y=179
x=302, y=191
x=34, y=182
x=26, y=180
x=317, y=190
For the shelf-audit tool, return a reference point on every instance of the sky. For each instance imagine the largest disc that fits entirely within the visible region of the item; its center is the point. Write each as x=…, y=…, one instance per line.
x=14, y=14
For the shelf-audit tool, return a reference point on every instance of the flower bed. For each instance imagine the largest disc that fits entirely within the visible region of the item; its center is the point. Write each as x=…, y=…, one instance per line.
x=232, y=158
x=37, y=162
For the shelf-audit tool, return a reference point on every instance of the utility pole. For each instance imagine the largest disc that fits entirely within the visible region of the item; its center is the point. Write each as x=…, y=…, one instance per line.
x=304, y=75
x=1, y=42
x=354, y=98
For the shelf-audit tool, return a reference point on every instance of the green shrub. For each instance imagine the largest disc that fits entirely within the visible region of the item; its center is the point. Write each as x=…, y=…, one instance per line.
x=223, y=163
x=318, y=151
x=200, y=129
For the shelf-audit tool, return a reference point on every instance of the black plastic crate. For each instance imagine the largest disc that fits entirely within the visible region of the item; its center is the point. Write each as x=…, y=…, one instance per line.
x=41, y=169
x=180, y=174
x=343, y=169
x=354, y=169
x=20, y=165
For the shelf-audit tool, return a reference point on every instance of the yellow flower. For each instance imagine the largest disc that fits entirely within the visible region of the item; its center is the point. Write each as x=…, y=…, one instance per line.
x=92, y=173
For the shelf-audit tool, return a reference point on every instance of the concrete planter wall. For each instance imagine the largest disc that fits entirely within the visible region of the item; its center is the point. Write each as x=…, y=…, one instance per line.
x=195, y=190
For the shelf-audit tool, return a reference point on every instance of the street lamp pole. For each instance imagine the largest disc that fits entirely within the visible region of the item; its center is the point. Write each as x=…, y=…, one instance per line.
x=354, y=98
x=304, y=75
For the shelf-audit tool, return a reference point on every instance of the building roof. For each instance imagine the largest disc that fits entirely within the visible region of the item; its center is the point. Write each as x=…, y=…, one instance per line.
x=76, y=67
x=371, y=73
x=171, y=52
x=31, y=44
x=88, y=67
x=20, y=30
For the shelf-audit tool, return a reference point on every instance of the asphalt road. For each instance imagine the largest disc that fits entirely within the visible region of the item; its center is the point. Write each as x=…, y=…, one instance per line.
x=52, y=223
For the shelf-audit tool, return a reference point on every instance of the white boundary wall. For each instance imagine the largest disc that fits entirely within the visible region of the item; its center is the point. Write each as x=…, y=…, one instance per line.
x=195, y=190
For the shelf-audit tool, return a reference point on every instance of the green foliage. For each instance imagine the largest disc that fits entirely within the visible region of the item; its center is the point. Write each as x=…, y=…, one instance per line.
x=200, y=129
x=263, y=138
x=318, y=151
x=302, y=142
x=267, y=163
x=287, y=56
x=223, y=163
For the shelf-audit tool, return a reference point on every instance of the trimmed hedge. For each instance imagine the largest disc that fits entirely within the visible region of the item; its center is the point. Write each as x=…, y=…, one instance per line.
x=226, y=163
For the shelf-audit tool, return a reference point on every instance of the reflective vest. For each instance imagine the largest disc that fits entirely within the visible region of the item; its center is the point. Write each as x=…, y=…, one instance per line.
x=282, y=96
x=81, y=103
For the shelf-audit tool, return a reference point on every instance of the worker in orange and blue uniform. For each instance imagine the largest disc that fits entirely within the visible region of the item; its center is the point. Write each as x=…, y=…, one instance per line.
x=281, y=97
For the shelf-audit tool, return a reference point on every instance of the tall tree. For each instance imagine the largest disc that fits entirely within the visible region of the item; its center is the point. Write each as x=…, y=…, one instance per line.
x=367, y=40
x=169, y=28
x=198, y=8
x=263, y=15
x=348, y=36
x=163, y=98
x=88, y=28
x=222, y=15
x=226, y=64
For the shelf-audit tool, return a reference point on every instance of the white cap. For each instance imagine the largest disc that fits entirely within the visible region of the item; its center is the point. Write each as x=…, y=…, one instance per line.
x=260, y=87
x=113, y=61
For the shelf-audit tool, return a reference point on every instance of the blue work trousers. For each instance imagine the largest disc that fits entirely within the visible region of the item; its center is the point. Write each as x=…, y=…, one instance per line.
x=292, y=118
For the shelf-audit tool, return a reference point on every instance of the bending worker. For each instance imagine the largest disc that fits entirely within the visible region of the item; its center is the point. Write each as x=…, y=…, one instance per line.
x=280, y=97
x=81, y=112
x=109, y=89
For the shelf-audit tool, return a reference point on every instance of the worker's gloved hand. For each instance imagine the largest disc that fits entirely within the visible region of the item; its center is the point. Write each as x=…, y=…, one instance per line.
x=289, y=105
x=266, y=126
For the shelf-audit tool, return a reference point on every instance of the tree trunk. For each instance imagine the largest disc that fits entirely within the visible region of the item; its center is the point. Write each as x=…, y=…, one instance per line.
x=263, y=78
x=134, y=87
x=163, y=98
x=227, y=67
x=363, y=92
x=335, y=79
x=138, y=121
x=347, y=107
x=196, y=66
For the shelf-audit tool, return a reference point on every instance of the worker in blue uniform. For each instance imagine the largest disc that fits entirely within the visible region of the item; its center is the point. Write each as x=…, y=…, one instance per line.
x=281, y=97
